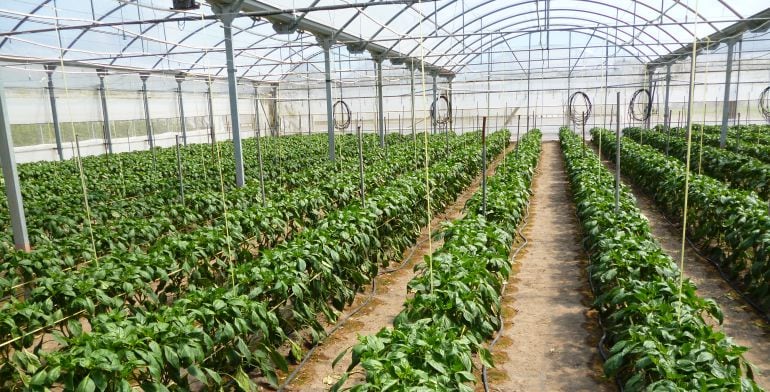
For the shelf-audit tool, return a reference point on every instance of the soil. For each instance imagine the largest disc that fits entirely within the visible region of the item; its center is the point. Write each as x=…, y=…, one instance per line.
x=741, y=323
x=550, y=334
x=385, y=303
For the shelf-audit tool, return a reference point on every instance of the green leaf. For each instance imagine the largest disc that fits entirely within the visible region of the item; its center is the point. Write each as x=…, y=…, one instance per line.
x=243, y=381
x=86, y=385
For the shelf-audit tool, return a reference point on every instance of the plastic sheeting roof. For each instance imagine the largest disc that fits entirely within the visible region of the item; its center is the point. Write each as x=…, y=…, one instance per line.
x=446, y=33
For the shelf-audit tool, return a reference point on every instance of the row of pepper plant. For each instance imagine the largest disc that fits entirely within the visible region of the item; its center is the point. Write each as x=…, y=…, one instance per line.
x=54, y=204
x=738, y=170
x=218, y=330
x=732, y=226
x=165, y=270
x=742, y=146
x=658, y=329
x=200, y=209
x=456, y=303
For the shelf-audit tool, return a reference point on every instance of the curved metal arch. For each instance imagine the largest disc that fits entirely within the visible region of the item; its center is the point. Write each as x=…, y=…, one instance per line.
x=480, y=38
x=205, y=53
x=84, y=32
x=530, y=1
x=620, y=22
x=399, y=14
x=136, y=37
x=25, y=19
x=281, y=62
x=501, y=39
x=196, y=31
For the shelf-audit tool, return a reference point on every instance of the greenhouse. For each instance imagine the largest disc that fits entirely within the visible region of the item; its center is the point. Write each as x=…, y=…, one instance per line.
x=385, y=195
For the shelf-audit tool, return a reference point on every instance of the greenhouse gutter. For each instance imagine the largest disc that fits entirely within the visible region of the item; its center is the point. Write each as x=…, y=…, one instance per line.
x=282, y=20
x=755, y=23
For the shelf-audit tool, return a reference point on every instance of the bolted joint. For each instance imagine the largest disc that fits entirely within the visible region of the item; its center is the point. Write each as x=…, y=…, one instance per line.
x=397, y=61
x=102, y=72
x=356, y=47
x=180, y=76
x=377, y=57
x=144, y=76
x=324, y=41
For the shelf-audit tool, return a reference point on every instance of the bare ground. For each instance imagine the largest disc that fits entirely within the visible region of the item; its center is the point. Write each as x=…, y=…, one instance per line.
x=386, y=302
x=550, y=334
x=740, y=320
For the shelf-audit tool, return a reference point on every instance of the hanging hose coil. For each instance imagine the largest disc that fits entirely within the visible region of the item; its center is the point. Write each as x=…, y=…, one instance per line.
x=434, y=115
x=646, y=110
x=579, y=118
x=342, y=121
x=764, y=104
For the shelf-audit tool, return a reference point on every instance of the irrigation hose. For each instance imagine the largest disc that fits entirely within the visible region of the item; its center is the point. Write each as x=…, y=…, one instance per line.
x=334, y=329
x=499, y=333
x=733, y=285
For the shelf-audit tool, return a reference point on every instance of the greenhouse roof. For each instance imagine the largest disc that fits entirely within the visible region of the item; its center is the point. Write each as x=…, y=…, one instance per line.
x=271, y=39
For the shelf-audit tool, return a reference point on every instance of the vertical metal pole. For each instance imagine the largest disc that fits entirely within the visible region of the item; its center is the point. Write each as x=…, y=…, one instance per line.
x=666, y=100
x=434, y=115
x=606, y=83
x=518, y=129
x=259, y=145
x=147, y=122
x=361, y=165
x=105, y=113
x=569, y=68
x=726, y=101
x=179, y=170
x=309, y=113
x=484, y=166
x=381, y=113
x=49, y=69
x=668, y=137
x=235, y=123
x=326, y=45
x=617, y=158
x=583, y=118
x=529, y=58
x=738, y=77
x=182, y=122
x=11, y=176
x=411, y=100
x=450, y=108
x=212, y=134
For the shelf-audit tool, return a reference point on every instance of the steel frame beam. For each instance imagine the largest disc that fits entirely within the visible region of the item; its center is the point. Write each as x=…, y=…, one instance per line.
x=49, y=70
x=11, y=177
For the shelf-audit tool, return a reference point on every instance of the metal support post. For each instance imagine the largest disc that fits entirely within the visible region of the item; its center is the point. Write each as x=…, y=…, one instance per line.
x=380, y=111
x=212, y=134
x=179, y=170
x=434, y=74
x=666, y=100
x=49, y=69
x=101, y=72
x=259, y=144
x=518, y=131
x=484, y=166
x=361, y=165
x=182, y=123
x=227, y=20
x=617, y=157
x=326, y=44
x=147, y=122
x=726, y=101
x=11, y=177
x=411, y=101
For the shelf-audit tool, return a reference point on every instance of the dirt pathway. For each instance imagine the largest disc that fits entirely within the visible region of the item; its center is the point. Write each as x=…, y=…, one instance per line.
x=387, y=302
x=740, y=321
x=550, y=335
